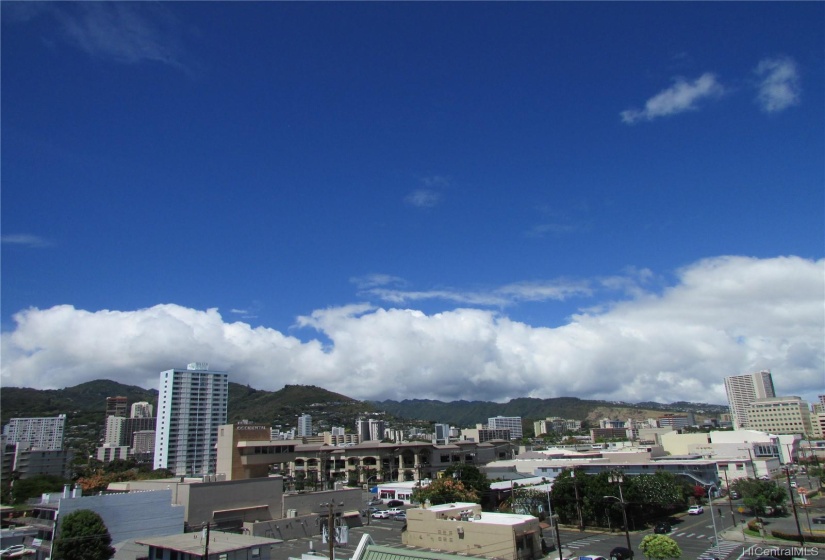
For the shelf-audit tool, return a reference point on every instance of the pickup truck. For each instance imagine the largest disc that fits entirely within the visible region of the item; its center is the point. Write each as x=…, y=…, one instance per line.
x=394, y=511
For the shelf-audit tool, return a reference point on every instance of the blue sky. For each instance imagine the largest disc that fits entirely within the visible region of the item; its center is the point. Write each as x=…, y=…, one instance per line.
x=432, y=200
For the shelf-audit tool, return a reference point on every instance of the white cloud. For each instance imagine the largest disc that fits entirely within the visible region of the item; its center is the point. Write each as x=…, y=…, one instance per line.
x=375, y=280
x=680, y=97
x=26, y=240
x=423, y=198
x=779, y=86
x=723, y=316
x=125, y=32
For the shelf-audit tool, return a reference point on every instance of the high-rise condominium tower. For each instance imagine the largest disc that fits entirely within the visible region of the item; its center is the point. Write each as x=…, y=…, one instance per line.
x=191, y=407
x=304, y=425
x=742, y=390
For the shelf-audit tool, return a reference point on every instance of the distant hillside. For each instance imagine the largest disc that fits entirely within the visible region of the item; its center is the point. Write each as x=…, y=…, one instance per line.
x=86, y=404
x=469, y=413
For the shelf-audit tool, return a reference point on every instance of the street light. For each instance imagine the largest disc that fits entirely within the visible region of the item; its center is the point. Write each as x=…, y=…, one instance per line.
x=554, y=521
x=617, y=478
x=712, y=518
x=576, y=492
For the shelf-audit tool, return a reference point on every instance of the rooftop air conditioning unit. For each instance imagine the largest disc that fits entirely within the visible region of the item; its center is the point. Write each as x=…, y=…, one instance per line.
x=292, y=513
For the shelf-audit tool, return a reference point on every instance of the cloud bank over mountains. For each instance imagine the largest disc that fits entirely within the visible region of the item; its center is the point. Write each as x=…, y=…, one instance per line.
x=722, y=316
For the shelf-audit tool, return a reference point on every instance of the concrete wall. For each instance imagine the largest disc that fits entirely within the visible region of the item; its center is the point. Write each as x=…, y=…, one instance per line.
x=252, y=499
x=131, y=516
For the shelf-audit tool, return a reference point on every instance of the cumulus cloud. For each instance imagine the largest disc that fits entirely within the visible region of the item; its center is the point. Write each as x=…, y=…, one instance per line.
x=720, y=317
x=680, y=97
x=779, y=84
x=25, y=240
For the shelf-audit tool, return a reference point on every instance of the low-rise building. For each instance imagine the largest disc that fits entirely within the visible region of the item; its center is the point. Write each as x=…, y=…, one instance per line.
x=462, y=528
x=225, y=546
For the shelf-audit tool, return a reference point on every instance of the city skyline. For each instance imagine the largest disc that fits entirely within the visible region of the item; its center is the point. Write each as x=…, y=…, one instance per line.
x=477, y=201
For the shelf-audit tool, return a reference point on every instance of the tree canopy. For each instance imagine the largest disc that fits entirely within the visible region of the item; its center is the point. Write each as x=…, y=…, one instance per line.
x=660, y=547
x=83, y=536
x=758, y=495
x=444, y=491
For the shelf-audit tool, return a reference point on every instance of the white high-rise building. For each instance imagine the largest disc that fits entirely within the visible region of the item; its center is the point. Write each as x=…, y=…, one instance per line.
x=191, y=407
x=376, y=429
x=37, y=433
x=304, y=425
x=142, y=410
x=115, y=429
x=512, y=423
x=742, y=390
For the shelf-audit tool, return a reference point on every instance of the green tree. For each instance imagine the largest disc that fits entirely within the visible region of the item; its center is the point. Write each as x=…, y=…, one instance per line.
x=758, y=495
x=83, y=536
x=470, y=476
x=528, y=501
x=33, y=487
x=660, y=547
x=445, y=490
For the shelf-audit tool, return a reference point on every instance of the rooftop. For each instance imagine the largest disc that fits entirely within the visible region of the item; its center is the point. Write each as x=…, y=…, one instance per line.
x=219, y=542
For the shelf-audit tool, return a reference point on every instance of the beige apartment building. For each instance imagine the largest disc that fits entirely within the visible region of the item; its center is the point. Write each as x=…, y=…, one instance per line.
x=462, y=528
x=781, y=415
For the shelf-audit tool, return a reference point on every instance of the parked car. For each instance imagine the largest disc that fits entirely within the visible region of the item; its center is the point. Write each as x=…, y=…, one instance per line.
x=818, y=520
x=394, y=511
x=662, y=528
x=588, y=557
x=401, y=516
x=696, y=510
x=376, y=501
x=381, y=514
x=395, y=503
x=734, y=495
x=621, y=553
x=7, y=552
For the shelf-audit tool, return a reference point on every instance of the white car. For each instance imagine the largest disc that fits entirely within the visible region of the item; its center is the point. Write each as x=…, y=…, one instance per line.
x=696, y=510
x=382, y=514
x=6, y=552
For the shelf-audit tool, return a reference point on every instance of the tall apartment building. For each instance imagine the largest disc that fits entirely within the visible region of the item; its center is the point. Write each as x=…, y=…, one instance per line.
x=781, y=415
x=742, y=390
x=191, y=405
x=304, y=425
x=142, y=409
x=37, y=433
x=442, y=434
x=376, y=429
x=117, y=406
x=114, y=430
x=512, y=423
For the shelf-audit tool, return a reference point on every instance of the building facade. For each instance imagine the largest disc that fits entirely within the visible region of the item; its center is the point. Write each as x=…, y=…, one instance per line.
x=781, y=415
x=512, y=423
x=117, y=406
x=304, y=425
x=37, y=433
x=742, y=390
x=191, y=406
x=142, y=409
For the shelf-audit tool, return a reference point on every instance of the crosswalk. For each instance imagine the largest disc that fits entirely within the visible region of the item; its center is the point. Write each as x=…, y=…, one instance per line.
x=722, y=551
x=586, y=542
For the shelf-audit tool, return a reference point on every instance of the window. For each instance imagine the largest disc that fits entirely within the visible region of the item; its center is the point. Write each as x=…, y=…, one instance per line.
x=256, y=553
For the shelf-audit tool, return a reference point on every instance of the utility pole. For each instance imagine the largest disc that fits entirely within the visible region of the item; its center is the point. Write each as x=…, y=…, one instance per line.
x=206, y=542
x=331, y=528
x=793, y=505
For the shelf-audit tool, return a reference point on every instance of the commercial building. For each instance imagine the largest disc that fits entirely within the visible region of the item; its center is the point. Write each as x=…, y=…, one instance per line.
x=117, y=406
x=226, y=546
x=142, y=409
x=781, y=415
x=37, y=433
x=304, y=426
x=462, y=528
x=245, y=451
x=108, y=452
x=127, y=516
x=26, y=462
x=512, y=423
x=556, y=425
x=191, y=406
x=742, y=390
x=481, y=434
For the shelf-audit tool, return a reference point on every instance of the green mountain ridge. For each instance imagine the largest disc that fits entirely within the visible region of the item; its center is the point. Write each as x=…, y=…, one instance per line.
x=86, y=404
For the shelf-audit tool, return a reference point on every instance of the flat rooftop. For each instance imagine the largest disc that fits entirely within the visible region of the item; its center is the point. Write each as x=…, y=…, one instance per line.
x=219, y=542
